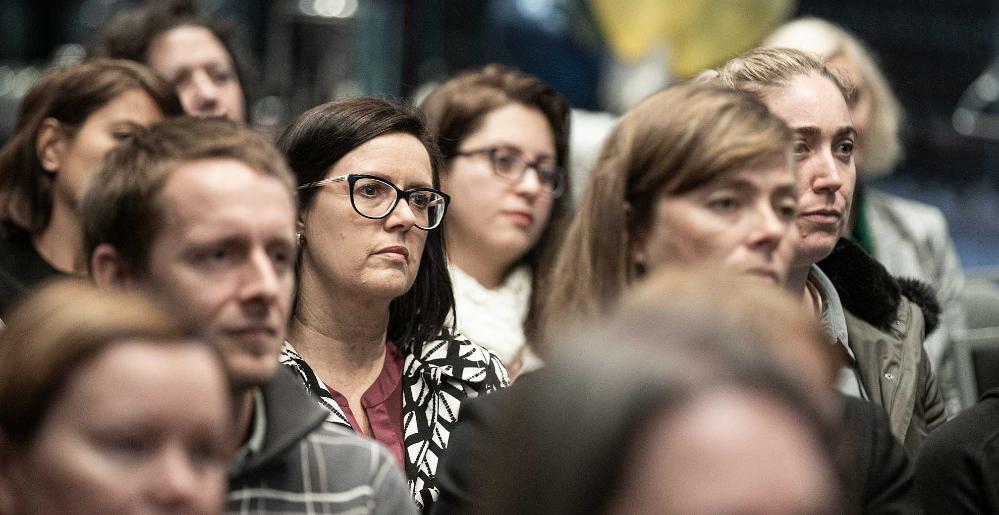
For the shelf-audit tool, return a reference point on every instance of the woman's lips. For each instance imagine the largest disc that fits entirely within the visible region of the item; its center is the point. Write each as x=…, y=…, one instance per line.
x=822, y=216
x=520, y=218
x=395, y=252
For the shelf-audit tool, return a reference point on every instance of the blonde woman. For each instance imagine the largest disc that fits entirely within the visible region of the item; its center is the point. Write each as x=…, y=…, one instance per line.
x=879, y=322
x=910, y=238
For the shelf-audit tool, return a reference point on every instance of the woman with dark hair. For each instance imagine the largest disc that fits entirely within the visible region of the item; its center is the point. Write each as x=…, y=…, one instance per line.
x=197, y=55
x=493, y=125
x=66, y=124
x=369, y=334
x=97, y=417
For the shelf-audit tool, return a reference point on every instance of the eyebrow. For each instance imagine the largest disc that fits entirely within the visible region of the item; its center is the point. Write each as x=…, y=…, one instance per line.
x=383, y=176
x=813, y=131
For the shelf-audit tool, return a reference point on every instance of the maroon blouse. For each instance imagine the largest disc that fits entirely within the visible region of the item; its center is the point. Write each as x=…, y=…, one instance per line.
x=382, y=403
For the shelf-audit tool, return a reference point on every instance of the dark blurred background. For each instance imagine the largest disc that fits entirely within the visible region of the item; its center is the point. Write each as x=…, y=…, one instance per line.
x=308, y=51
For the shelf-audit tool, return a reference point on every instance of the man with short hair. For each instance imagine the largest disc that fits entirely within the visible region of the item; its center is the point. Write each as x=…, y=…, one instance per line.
x=201, y=214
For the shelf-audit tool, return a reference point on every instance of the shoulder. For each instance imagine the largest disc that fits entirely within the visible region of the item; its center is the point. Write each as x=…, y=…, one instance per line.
x=453, y=357
x=910, y=212
x=957, y=466
x=969, y=432
x=869, y=291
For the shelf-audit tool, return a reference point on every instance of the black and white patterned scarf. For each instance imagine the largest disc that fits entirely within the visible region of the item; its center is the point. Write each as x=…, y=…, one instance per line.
x=436, y=376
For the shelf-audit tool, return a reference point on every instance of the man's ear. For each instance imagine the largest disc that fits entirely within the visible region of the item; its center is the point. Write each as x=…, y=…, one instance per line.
x=50, y=145
x=108, y=269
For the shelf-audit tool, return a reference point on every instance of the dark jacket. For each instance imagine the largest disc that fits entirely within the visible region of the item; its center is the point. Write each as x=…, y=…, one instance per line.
x=958, y=467
x=887, y=320
x=876, y=472
x=22, y=268
x=306, y=465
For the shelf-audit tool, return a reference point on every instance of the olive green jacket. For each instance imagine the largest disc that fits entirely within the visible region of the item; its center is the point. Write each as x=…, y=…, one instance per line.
x=887, y=320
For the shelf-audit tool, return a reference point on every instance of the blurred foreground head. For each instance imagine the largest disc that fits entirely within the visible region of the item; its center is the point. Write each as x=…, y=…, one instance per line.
x=680, y=402
x=96, y=389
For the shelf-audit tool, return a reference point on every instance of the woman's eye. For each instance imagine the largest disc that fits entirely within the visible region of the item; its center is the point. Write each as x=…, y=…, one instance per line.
x=787, y=211
x=420, y=199
x=121, y=135
x=845, y=148
x=221, y=77
x=724, y=204
x=799, y=147
x=370, y=189
x=505, y=160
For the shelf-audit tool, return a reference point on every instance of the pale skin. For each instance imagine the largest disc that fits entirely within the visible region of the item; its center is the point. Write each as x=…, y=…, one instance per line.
x=351, y=270
x=72, y=160
x=492, y=224
x=816, y=111
x=737, y=222
x=232, y=227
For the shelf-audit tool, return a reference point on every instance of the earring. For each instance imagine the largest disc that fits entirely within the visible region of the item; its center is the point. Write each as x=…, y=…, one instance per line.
x=300, y=238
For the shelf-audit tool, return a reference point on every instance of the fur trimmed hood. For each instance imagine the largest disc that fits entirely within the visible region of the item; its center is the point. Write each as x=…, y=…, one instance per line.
x=867, y=290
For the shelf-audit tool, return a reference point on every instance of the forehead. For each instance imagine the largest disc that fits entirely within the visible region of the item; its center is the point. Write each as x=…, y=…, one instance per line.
x=516, y=125
x=399, y=157
x=225, y=195
x=133, y=105
x=187, y=46
x=142, y=368
x=777, y=173
x=809, y=101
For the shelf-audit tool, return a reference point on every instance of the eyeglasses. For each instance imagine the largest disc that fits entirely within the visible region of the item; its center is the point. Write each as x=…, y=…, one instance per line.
x=375, y=198
x=511, y=165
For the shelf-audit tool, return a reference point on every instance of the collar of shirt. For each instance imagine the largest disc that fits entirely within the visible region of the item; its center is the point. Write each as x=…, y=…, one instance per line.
x=255, y=443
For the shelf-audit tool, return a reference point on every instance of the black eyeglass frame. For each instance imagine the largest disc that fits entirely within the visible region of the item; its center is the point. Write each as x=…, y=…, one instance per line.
x=351, y=180
x=557, y=189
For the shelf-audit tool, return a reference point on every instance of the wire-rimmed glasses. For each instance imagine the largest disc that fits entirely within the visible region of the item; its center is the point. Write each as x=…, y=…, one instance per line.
x=510, y=165
x=373, y=197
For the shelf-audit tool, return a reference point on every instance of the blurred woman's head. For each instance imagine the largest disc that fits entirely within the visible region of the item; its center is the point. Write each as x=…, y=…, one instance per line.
x=635, y=429
x=875, y=110
x=194, y=53
x=813, y=100
x=371, y=215
x=695, y=174
x=96, y=388
x=494, y=125
x=68, y=121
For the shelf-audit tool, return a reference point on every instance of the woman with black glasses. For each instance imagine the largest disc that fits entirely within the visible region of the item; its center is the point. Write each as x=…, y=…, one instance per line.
x=369, y=335
x=504, y=138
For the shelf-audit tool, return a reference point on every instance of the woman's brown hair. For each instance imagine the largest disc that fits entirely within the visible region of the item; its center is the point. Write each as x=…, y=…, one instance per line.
x=457, y=108
x=68, y=96
x=58, y=329
x=671, y=143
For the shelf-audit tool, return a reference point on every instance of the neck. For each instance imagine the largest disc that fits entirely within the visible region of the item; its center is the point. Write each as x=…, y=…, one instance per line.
x=242, y=416
x=488, y=270
x=797, y=280
x=61, y=242
x=341, y=337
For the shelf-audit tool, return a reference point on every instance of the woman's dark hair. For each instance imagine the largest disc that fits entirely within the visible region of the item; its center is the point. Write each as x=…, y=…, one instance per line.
x=69, y=96
x=319, y=138
x=457, y=108
x=130, y=33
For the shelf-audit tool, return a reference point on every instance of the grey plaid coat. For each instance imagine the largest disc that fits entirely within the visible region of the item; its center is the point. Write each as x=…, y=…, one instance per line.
x=307, y=465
